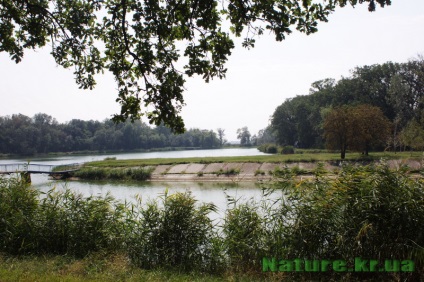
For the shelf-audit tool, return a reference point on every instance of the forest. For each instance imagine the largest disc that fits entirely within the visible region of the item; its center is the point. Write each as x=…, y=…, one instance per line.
x=23, y=135
x=378, y=107
x=386, y=100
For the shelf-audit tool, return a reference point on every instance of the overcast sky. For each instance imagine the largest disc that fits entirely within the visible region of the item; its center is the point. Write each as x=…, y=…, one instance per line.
x=258, y=80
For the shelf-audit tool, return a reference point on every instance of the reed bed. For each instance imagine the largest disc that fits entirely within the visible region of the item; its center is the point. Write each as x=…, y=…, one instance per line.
x=370, y=212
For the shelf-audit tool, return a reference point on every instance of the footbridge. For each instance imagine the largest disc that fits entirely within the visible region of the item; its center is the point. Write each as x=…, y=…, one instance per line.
x=26, y=169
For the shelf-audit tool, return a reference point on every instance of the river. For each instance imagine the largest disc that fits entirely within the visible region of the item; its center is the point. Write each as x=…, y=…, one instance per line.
x=216, y=193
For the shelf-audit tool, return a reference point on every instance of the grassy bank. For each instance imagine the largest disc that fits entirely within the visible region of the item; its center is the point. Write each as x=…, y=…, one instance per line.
x=306, y=156
x=105, y=173
x=368, y=212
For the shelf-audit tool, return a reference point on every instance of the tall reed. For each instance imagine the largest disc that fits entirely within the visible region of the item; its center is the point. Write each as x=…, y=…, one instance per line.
x=366, y=211
x=176, y=234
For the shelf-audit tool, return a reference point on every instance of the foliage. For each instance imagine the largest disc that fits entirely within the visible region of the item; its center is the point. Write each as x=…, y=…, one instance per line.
x=221, y=136
x=22, y=135
x=96, y=173
x=244, y=135
x=18, y=209
x=365, y=211
x=265, y=136
x=286, y=150
x=58, y=223
x=137, y=41
x=355, y=128
x=179, y=236
x=396, y=88
x=413, y=135
x=368, y=212
x=268, y=148
x=244, y=233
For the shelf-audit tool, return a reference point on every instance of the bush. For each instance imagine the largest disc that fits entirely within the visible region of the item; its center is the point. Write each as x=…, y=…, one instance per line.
x=368, y=212
x=59, y=223
x=268, y=148
x=287, y=150
x=244, y=234
x=272, y=149
x=178, y=236
x=18, y=213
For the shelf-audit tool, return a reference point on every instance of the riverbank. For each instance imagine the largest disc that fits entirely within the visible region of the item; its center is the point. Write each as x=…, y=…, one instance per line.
x=234, y=171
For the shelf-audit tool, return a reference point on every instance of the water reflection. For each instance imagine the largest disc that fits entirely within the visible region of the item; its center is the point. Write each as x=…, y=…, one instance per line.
x=216, y=193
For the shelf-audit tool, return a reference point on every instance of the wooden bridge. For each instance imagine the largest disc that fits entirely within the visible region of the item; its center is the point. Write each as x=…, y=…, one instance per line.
x=26, y=169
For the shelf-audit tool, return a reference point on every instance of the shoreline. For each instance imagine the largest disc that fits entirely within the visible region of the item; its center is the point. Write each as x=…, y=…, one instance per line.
x=251, y=171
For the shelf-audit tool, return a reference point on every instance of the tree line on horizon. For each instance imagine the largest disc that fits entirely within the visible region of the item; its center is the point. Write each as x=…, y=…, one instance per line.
x=386, y=100
x=23, y=135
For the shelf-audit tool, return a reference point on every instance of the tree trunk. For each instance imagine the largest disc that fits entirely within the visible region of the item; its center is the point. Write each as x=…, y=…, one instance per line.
x=343, y=152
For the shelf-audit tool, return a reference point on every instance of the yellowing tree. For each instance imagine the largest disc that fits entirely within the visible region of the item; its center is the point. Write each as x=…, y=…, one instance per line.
x=355, y=128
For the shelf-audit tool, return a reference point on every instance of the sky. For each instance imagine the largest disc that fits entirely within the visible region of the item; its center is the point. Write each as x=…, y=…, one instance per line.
x=258, y=80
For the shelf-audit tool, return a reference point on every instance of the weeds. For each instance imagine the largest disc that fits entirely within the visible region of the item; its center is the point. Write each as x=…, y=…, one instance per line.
x=228, y=172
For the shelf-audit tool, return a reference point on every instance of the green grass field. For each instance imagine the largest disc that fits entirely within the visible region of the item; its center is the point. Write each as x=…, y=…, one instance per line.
x=305, y=156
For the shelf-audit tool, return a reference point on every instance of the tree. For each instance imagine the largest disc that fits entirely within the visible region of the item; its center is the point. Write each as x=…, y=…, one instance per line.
x=371, y=128
x=337, y=130
x=265, y=136
x=413, y=135
x=283, y=124
x=355, y=128
x=137, y=41
x=244, y=135
x=221, y=136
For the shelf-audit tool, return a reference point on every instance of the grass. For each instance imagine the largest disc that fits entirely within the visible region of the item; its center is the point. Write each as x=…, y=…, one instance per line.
x=306, y=156
x=228, y=172
x=108, y=173
x=95, y=267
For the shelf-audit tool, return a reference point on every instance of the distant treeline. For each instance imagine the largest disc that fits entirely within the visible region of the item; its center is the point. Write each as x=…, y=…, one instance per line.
x=397, y=89
x=23, y=135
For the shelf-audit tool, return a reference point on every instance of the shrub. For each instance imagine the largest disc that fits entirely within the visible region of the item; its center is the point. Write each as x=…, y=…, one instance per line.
x=272, y=149
x=179, y=235
x=268, y=148
x=74, y=225
x=18, y=212
x=244, y=234
x=59, y=223
x=287, y=150
x=368, y=212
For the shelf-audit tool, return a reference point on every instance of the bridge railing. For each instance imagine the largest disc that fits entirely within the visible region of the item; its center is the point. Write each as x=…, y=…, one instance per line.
x=39, y=168
x=66, y=167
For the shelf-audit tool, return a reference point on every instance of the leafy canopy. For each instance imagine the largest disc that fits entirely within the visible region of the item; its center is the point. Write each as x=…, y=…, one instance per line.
x=137, y=41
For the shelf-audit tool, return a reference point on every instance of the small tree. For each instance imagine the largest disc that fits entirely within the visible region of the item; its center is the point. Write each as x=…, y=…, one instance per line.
x=221, y=136
x=244, y=135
